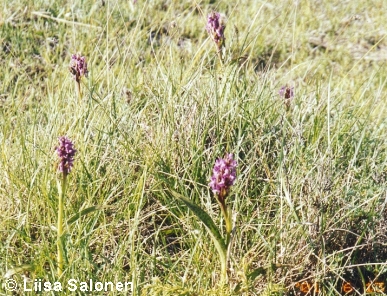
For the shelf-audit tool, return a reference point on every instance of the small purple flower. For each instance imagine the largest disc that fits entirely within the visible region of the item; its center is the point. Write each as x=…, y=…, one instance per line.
x=223, y=176
x=215, y=28
x=78, y=67
x=286, y=92
x=66, y=153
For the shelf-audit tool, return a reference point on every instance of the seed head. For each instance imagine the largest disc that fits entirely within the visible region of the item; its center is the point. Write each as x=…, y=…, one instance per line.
x=223, y=176
x=66, y=153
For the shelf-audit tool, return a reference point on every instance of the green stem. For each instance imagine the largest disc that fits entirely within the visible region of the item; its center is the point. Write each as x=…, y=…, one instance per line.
x=227, y=219
x=62, y=192
x=220, y=55
x=223, y=279
x=220, y=58
x=79, y=91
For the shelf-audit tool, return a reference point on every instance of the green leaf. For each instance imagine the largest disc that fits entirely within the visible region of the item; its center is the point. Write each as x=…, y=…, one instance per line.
x=83, y=213
x=254, y=274
x=250, y=278
x=209, y=223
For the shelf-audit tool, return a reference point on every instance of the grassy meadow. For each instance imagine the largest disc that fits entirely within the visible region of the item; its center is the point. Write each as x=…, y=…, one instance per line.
x=309, y=205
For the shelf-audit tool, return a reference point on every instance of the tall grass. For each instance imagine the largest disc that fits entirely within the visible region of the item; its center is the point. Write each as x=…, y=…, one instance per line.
x=157, y=110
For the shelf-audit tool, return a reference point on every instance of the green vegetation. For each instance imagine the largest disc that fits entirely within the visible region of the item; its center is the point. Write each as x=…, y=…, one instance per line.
x=156, y=111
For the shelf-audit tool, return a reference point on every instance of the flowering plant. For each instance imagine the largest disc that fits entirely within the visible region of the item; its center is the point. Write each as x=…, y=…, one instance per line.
x=215, y=28
x=223, y=177
x=66, y=153
x=78, y=68
x=287, y=93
